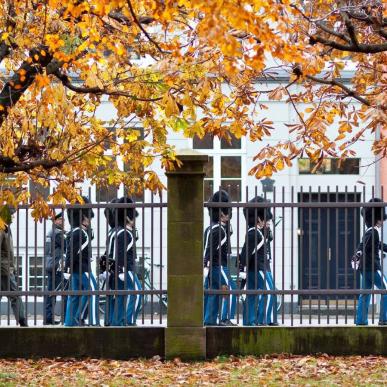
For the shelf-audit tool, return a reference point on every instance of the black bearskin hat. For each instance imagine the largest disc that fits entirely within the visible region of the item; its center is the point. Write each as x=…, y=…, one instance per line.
x=110, y=214
x=123, y=213
x=372, y=214
x=219, y=196
x=76, y=215
x=252, y=214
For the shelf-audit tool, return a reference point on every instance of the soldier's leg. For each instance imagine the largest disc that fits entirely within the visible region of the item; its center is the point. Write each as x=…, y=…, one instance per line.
x=364, y=299
x=16, y=302
x=381, y=283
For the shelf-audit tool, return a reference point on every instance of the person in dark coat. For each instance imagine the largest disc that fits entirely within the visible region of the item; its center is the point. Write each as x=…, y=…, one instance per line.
x=216, y=272
x=7, y=265
x=255, y=266
x=78, y=264
x=368, y=262
x=122, y=248
x=54, y=254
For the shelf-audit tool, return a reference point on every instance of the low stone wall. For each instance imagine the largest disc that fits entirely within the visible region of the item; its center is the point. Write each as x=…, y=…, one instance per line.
x=134, y=342
x=296, y=340
x=107, y=343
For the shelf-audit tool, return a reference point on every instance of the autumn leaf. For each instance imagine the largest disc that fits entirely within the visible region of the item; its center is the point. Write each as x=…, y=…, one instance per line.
x=78, y=74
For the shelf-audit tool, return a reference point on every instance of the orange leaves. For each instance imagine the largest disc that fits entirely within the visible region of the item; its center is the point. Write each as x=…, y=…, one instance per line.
x=42, y=80
x=274, y=370
x=260, y=129
x=170, y=105
x=276, y=94
x=214, y=75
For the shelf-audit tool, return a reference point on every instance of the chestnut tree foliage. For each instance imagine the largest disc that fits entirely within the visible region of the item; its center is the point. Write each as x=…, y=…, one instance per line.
x=193, y=66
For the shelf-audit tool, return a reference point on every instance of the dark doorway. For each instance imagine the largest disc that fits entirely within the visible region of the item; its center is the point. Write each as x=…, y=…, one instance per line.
x=327, y=239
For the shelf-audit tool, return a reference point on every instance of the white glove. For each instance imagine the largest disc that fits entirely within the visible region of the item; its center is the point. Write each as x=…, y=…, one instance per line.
x=67, y=276
x=355, y=265
x=355, y=262
x=242, y=275
x=102, y=276
x=205, y=272
x=121, y=277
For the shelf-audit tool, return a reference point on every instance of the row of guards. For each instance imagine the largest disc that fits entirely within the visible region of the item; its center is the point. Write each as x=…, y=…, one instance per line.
x=68, y=265
x=68, y=259
x=254, y=265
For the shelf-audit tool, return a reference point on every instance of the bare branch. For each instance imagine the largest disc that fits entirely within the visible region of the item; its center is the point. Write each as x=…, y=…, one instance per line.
x=334, y=82
x=15, y=87
x=5, y=47
x=339, y=35
x=351, y=29
x=98, y=91
x=361, y=48
x=142, y=28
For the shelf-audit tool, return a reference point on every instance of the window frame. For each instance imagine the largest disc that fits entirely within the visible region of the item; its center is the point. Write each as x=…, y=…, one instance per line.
x=216, y=153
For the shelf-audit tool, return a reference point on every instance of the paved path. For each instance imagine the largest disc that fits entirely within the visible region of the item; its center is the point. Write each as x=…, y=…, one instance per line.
x=147, y=322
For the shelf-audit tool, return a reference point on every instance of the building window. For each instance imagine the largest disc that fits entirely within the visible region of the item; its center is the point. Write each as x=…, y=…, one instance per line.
x=231, y=175
x=329, y=166
x=234, y=143
x=19, y=269
x=137, y=197
x=209, y=178
x=207, y=142
x=225, y=167
x=111, y=139
x=38, y=190
x=36, y=273
x=107, y=192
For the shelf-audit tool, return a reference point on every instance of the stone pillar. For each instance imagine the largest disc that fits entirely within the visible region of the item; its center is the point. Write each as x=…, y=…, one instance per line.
x=185, y=336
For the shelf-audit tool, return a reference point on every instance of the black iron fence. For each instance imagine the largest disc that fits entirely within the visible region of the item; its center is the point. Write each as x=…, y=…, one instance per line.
x=296, y=266
x=80, y=272
x=296, y=269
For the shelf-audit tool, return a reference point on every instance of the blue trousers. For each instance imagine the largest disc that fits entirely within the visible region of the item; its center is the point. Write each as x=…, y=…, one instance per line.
x=124, y=309
x=254, y=282
x=267, y=305
x=364, y=299
x=217, y=277
x=80, y=307
x=229, y=302
x=53, y=280
x=262, y=309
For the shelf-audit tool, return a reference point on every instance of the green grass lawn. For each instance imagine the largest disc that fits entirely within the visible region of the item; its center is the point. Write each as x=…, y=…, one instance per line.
x=279, y=370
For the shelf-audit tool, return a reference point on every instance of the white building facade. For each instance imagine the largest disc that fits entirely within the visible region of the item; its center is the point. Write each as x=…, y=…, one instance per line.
x=229, y=166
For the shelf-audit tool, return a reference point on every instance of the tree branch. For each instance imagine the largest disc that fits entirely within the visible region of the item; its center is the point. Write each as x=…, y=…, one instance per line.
x=329, y=31
x=25, y=167
x=5, y=48
x=8, y=165
x=97, y=90
x=15, y=87
x=362, y=48
x=142, y=28
x=334, y=82
x=350, y=28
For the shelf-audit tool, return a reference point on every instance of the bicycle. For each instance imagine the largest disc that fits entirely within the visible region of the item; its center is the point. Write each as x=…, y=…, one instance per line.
x=143, y=272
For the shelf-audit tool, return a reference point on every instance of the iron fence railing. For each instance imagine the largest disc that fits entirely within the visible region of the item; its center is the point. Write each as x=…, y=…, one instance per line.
x=306, y=277
x=301, y=274
x=125, y=285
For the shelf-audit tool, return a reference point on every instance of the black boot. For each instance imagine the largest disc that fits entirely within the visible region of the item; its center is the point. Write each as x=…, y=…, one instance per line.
x=23, y=322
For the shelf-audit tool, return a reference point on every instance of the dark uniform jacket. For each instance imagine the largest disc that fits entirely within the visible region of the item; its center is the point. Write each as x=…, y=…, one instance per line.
x=371, y=246
x=254, y=254
x=78, y=251
x=215, y=245
x=121, y=247
x=55, y=248
x=7, y=259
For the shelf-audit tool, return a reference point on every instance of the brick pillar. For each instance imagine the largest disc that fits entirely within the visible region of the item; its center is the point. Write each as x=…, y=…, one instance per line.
x=185, y=336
